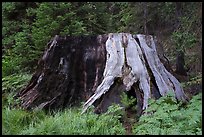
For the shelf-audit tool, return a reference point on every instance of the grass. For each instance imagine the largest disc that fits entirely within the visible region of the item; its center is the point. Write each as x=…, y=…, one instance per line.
x=163, y=117
x=66, y=122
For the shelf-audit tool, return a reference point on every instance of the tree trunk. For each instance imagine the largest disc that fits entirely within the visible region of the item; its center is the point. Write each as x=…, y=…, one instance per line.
x=97, y=69
x=180, y=63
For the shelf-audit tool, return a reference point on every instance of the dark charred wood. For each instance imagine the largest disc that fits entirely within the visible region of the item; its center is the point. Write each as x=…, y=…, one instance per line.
x=69, y=71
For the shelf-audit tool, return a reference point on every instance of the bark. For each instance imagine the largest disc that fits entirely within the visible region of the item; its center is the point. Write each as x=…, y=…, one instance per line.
x=180, y=63
x=68, y=72
x=97, y=69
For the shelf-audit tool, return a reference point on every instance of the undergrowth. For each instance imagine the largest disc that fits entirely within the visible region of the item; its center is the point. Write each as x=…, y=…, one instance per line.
x=66, y=122
x=11, y=85
x=164, y=116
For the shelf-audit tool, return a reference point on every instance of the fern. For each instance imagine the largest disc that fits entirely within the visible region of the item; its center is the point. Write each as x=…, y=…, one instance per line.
x=166, y=117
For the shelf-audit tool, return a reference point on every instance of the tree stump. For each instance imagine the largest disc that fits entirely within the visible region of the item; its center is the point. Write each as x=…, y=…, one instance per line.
x=96, y=70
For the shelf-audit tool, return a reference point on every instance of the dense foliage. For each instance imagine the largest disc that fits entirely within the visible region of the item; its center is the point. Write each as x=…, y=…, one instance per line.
x=11, y=85
x=163, y=117
x=27, y=27
x=166, y=117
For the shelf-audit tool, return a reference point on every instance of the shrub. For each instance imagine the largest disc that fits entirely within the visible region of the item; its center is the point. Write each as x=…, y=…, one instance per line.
x=15, y=82
x=166, y=117
x=11, y=85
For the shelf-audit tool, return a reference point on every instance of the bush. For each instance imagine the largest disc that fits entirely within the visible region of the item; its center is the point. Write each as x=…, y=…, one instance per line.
x=11, y=85
x=9, y=65
x=166, y=117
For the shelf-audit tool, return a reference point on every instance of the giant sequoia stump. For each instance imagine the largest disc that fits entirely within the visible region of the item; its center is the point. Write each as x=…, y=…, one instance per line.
x=96, y=70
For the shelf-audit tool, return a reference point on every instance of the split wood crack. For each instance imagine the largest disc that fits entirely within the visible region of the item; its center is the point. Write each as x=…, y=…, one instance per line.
x=125, y=61
x=121, y=60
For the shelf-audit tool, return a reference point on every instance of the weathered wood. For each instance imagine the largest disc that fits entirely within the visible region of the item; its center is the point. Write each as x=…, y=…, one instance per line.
x=69, y=71
x=134, y=69
x=96, y=68
x=125, y=60
x=166, y=82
